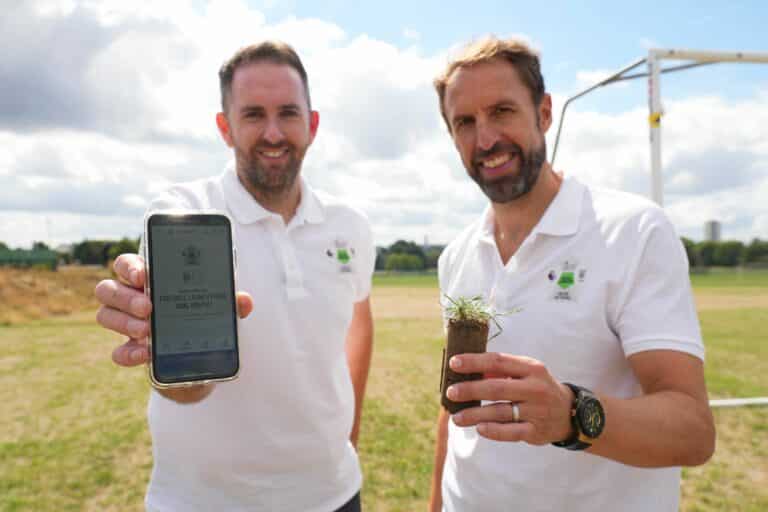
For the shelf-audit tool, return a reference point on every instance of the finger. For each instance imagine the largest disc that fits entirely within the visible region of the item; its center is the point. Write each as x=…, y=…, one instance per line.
x=506, y=431
x=123, y=298
x=129, y=269
x=495, y=363
x=492, y=390
x=122, y=323
x=496, y=413
x=131, y=353
x=244, y=304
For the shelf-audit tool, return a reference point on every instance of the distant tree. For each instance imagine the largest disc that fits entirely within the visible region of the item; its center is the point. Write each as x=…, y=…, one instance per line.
x=728, y=254
x=40, y=246
x=92, y=252
x=381, y=258
x=690, y=250
x=4, y=247
x=126, y=245
x=705, y=252
x=431, y=257
x=402, y=261
x=756, y=252
x=404, y=247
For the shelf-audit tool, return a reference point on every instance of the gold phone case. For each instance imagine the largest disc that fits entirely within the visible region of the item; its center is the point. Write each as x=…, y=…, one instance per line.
x=147, y=291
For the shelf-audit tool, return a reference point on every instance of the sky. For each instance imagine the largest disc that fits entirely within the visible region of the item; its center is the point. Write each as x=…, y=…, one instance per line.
x=104, y=104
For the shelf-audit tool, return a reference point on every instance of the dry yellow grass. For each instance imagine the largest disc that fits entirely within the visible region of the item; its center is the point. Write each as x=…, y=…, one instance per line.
x=31, y=294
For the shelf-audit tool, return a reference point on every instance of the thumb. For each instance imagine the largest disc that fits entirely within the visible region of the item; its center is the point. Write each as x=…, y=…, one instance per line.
x=244, y=304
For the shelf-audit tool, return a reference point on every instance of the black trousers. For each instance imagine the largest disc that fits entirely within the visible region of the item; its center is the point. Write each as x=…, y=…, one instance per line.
x=352, y=505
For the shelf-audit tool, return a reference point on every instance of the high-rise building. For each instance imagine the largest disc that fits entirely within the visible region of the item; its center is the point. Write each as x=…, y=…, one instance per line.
x=712, y=231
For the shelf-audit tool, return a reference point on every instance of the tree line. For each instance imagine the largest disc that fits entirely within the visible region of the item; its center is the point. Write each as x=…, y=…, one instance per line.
x=729, y=253
x=402, y=255
x=87, y=252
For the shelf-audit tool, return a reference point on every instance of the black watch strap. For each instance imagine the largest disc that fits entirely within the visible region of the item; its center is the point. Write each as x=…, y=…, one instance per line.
x=573, y=442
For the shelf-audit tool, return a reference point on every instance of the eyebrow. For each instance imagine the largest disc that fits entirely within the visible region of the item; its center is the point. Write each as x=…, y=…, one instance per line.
x=504, y=103
x=259, y=109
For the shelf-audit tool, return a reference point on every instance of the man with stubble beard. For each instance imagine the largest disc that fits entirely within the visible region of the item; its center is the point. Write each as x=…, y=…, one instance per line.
x=593, y=395
x=282, y=436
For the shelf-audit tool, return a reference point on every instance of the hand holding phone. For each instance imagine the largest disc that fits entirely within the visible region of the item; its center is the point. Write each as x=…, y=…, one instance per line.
x=126, y=309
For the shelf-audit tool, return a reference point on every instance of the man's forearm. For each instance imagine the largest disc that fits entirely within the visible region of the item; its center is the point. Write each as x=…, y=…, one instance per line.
x=441, y=448
x=359, y=348
x=358, y=369
x=666, y=428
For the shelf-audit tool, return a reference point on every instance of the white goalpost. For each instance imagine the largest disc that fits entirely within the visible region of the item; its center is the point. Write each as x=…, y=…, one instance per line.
x=690, y=58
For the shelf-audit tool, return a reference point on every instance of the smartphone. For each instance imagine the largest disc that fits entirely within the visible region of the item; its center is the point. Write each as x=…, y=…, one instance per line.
x=190, y=261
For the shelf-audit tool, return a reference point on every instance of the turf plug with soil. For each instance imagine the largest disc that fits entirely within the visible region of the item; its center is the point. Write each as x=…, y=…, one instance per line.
x=468, y=325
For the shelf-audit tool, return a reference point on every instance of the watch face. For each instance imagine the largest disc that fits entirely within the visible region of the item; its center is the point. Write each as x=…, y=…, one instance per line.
x=591, y=418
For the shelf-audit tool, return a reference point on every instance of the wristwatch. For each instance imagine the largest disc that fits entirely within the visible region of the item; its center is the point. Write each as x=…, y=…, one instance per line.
x=587, y=418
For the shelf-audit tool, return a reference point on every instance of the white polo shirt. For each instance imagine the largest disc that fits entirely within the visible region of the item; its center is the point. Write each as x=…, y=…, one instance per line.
x=602, y=276
x=277, y=437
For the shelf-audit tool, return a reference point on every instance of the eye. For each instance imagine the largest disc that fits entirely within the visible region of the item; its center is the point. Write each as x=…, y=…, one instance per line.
x=462, y=122
x=254, y=114
x=502, y=109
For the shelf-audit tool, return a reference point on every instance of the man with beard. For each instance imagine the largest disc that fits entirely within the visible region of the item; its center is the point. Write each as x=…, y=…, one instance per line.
x=593, y=395
x=282, y=436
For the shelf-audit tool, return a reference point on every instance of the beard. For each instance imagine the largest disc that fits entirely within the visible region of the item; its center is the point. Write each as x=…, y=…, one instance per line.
x=270, y=180
x=509, y=188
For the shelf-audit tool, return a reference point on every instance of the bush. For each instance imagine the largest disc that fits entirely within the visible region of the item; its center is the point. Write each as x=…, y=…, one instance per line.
x=401, y=261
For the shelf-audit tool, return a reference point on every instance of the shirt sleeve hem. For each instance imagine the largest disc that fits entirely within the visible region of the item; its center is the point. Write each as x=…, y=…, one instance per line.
x=689, y=345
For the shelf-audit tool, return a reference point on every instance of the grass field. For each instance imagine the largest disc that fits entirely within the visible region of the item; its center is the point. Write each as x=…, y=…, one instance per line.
x=73, y=431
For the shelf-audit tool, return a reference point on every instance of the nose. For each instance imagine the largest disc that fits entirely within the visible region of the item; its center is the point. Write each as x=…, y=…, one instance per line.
x=272, y=132
x=487, y=135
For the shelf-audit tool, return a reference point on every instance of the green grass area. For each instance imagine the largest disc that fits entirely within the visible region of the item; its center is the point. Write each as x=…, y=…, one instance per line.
x=731, y=278
x=405, y=279
x=73, y=432
x=714, y=278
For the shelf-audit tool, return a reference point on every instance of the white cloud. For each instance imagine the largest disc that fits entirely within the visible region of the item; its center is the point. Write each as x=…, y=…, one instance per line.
x=127, y=107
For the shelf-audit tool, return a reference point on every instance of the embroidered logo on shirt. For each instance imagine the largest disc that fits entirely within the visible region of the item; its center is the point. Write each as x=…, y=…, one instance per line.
x=343, y=254
x=565, y=280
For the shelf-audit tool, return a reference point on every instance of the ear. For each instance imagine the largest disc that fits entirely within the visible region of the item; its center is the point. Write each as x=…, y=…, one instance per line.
x=314, y=123
x=223, y=125
x=545, y=113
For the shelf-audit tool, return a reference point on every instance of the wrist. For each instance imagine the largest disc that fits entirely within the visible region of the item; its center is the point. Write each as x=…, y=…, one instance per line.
x=587, y=419
x=567, y=429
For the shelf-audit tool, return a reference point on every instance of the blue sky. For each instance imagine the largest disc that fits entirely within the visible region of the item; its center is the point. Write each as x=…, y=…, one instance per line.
x=571, y=35
x=104, y=103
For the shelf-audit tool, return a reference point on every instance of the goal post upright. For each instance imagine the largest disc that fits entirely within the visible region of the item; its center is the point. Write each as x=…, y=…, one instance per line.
x=654, y=121
x=692, y=58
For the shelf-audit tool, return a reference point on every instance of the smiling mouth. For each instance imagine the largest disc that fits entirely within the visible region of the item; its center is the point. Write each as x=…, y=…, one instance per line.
x=498, y=164
x=273, y=153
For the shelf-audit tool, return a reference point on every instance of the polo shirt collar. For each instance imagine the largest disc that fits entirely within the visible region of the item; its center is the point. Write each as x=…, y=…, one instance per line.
x=247, y=210
x=561, y=217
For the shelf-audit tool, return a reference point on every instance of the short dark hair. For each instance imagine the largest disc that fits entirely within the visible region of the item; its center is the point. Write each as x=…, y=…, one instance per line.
x=276, y=52
x=514, y=51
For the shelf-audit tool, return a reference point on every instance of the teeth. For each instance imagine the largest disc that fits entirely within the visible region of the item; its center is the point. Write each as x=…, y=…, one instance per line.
x=274, y=154
x=495, y=162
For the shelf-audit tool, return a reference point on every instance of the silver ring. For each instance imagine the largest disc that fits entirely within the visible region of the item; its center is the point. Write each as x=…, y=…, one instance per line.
x=515, y=413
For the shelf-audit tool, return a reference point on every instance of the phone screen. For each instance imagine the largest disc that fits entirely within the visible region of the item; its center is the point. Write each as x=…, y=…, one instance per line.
x=194, y=316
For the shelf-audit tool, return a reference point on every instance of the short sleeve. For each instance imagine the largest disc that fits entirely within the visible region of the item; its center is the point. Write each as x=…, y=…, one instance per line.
x=366, y=261
x=656, y=310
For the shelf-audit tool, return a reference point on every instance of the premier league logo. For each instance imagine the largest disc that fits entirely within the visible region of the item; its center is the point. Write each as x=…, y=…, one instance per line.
x=191, y=255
